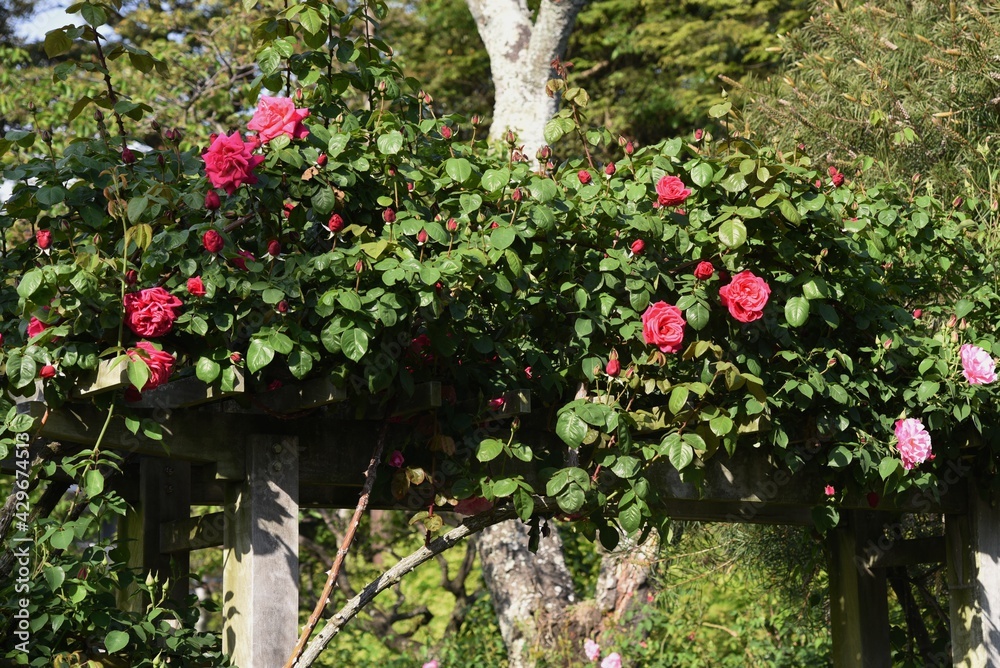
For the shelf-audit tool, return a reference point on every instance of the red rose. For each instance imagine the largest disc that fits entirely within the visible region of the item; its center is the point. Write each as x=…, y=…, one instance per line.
x=274, y=248
x=240, y=261
x=282, y=306
x=422, y=237
x=43, y=238
x=229, y=162
x=336, y=223
x=663, y=326
x=235, y=358
x=838, y=180
x=745, y=296
x=128, y=157
x=276, y=116
x=610, y=169
x=195, y=286
x=670, y=191
x=584, y=176
x=151, y=312
x=389, y=216
x=321, y=159
x=638, y=246
x=131, y=276
x=613, y=368
x=160, y=363
x=36, y=327
x=47, y=371
x=704, y=270
x=212, y=201
x=212, y=241
x=516, y=195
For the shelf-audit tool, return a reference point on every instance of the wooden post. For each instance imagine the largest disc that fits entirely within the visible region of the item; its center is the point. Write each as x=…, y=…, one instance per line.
x=858, y=596
x=973, y=550
x=261, y=558
x=164, y=495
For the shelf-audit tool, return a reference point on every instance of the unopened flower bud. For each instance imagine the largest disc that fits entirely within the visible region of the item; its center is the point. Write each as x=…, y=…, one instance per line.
x=98, y=115
x=613, y=368
x=954, y=336
x=452, y=225
x=422, y=237
x=382, y=86
x=963, y=325
x=544, y=153
x=235, y=358
x=335, y=224
x=446, y=132
x=321, y=159
x=212, y=201
x=698, y=134
x=128, y=157
x=584, y=176
x=476, y=119
x=917, y=313
x=274, y=248
x=629, y=149
x=610, y=169
x=282, y=306
x=389, y=216
x=622, y=141
x=516, y=195
x=887, y=344
x=952, y=321
x=510, y=137
x=298, y=94
x=409, y=187
x=159, y=160
x=957, y=202
x=359, y=267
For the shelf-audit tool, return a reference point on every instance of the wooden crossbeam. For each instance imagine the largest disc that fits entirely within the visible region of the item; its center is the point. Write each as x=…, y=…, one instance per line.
x=302, y=396
x=425, y=397
x=111, y=375
x=188, y=392
x=905, y=552
x=193, y=533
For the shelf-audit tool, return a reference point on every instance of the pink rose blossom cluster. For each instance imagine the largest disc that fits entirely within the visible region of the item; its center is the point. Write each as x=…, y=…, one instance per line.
x=914, y=443
x=593, y=652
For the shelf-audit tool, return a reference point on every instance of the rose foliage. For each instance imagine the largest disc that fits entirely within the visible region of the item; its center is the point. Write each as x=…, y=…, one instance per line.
x=456, y=262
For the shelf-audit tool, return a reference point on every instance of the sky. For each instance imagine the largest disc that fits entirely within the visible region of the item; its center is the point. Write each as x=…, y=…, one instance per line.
x=52, y=16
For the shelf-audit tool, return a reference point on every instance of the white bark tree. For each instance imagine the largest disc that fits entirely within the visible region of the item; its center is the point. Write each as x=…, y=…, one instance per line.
x=521, y=52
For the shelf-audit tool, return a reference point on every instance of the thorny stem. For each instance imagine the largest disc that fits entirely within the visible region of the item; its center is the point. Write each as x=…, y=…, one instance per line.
x=112, y=95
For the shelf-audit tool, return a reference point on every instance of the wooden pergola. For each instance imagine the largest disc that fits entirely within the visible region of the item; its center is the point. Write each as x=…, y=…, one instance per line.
x=262, y=457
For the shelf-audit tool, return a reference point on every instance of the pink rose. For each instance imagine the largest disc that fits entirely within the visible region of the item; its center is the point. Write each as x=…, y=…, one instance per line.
x=591, y=649
x=396, y=459
x=914, y=442
x=472, y=506
x=389, y=216
x=431, y=664
x=36, y=327
x=977, y=365
x=43, y=238
x=745, y=296
x=446, y=132
x=613, y=368
x=195, y=286
x=663, y=326
x=613, y=660
x=704, y=270
x=151, y=312
x=829, y=490
x=160, y=363
x=670, y=191
x=276, y=116
x=212, y=241
x=229, y=162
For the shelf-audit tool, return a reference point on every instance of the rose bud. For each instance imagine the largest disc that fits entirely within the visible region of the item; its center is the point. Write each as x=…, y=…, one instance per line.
x=917, y=313
x=477, y=119
x=389, y=216
x=195, y=286
x=212, y=201
x=831, y=170
x=43, y=238
x=452, y=225
x=698, y=134
x=610, y=169
x=47, y=371
x=359, y=266
x=511, y=137
x=275, y=385
x=274, y=248
x=396, y=459
x=212, y=241
x=544, y=153
x=282, y=306
x=584, y=176
x=235, y=358
x=638, y=246
x=409, y=187
x=613, y=368
x=873, y=499
x=497, y=403
x=446, y=132
x=321, y=160
x=629, y=149
x=516, y=195
x=528, y=373
x=957, y=202
x=422, y=237
x=131, y=277
x=704, y=270
x=298, y=94
x=838, y=180
x=287, y=209
x=128, y=157
x=335, y=224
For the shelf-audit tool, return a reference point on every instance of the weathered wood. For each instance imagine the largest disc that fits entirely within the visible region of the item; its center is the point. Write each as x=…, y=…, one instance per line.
x=515, y=402
x=910, y=552
x=111, y=375
x=188, y=392
x=425, y=397
x=858, y=596
x=973, y=550
x=164, y=496
x=302, y=396
x=261, y=555
x=192, y=533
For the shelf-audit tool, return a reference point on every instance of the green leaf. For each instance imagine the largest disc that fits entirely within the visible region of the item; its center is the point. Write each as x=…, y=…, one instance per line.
x=459, y=169
x=54, y=576
x=138, y=373
x=733, y=233
x=630, y=517
x=680, y=454
x=927, y=389
x=311, y=20
x=489, y=449
x=300, y=363
x=697, y=316
x=269, y=60
x=504, y=487
x=115, y=640
x=789, y=211
x=354, y=344
x=840, y=457
x=825, y=517
x=57, y=42
x=470, y=202
x=207, y=370
x=797, y=311
x=502, y=237
x=30, y=283
x=553, y=131
x=571, y=429
x=678, y=397
x=495, y=179
x=136, y=207
x=702, y=174
x=963, y=308
x=888, y=466
x=390, y=143
x=93, y=483
x=524, y=505
x=571, y=499
x=259, y=355
x=62, y=538
x=93, y=14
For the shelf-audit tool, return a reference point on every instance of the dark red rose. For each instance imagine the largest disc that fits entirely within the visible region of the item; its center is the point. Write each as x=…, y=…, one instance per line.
x=160, y=363
x=212, y=241
x=584, y=176
x=274, y=248
x=212, y=201
x=704, y=270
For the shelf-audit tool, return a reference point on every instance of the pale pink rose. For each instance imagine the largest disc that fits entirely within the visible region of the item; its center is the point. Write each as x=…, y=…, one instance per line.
x=433, y=663
x=914, y=442
x=591, y=649
x=229, y=162
x=613, y=660
x=276, y=116
x=977, y=365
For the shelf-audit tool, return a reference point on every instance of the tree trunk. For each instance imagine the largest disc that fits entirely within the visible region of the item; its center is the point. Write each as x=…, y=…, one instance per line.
x=531, y=592
x=521, y=55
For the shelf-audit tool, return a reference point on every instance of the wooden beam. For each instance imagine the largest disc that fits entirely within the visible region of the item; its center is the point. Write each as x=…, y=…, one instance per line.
x=859, y=608
x=111, y=375
x=261, y=555
x=973, y=551
x=192, y=533
x=188, y=392
x=425, y=397
x=910, y=552
x=302, y=396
